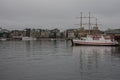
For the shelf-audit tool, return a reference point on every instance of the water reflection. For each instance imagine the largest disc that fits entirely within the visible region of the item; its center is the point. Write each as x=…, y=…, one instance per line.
x=57, y=60
x=93, y=55
x=53, y=48
x=116, y=52
x=28, y=48
x=95, y=59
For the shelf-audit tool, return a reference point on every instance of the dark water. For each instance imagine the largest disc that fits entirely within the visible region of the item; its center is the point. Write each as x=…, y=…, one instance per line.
x=57, y=60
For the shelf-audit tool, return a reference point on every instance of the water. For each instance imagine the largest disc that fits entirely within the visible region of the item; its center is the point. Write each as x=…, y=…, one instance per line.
x=57, y=60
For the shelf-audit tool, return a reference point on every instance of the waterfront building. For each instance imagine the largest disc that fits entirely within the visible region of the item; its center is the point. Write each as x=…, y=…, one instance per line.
x=114, y=33
x=26, y=32
x=55, y=33
x=16, y=33
x=35, y=33
x=45, y=33
x=4, y=33
x=70, y=33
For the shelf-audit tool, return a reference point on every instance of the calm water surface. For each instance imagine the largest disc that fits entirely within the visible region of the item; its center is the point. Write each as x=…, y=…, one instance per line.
x=57, y=60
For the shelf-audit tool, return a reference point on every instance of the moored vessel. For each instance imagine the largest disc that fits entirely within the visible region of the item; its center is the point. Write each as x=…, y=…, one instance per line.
x=3, y=39
x=94, y=39
x=28, y=38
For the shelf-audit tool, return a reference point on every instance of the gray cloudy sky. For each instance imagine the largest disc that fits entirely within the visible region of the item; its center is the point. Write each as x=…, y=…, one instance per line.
x=19, y=14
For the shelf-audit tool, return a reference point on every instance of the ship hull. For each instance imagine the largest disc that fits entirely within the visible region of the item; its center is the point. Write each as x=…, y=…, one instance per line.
x=93, y=43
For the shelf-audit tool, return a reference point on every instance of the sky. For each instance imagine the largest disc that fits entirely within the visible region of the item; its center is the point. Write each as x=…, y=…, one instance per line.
x=61, y=14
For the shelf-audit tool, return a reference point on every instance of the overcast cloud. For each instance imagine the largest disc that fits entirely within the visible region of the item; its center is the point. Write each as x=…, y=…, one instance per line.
x=18, y=14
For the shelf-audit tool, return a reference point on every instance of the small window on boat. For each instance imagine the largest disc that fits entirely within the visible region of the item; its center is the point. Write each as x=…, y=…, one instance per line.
x=82, y=39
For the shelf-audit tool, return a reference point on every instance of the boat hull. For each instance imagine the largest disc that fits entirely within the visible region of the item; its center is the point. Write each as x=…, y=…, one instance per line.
x=94, y=43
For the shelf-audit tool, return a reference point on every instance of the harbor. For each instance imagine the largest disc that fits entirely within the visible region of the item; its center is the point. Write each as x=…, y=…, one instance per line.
x=91, y=35
x=55, y=34
x=59, y=40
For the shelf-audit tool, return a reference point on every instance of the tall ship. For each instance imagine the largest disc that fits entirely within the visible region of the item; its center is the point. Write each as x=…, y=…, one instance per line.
x=93, y=39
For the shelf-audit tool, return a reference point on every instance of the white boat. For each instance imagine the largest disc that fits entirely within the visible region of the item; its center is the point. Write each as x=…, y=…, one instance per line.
x=28, y=38
x=3, y=39
x=95, y=40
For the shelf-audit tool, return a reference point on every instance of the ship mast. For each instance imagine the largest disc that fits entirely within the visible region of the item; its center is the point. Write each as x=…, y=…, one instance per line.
x=89, y=24
x=81, y=21
x=96, y=23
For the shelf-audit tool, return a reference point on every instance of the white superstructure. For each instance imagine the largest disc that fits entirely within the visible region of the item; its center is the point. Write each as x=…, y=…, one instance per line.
x=94, y=40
